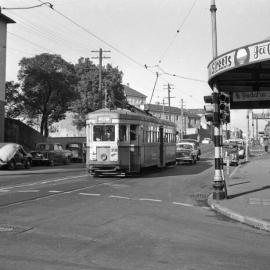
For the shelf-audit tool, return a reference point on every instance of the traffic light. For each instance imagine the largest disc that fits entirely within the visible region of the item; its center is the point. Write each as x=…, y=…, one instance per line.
x=224, y=108
x=211, y=109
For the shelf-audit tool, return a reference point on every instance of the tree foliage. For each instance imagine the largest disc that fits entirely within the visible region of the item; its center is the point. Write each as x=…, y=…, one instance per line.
x=89, y=96
x=48, y=86
x=14, y=101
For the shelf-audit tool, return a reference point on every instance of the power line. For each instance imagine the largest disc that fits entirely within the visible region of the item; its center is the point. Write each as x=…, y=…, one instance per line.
x=95, y=36
x=43, y=3
x=177, y=32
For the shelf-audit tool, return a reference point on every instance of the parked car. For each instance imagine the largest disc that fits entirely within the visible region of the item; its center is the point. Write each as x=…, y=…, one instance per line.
x=12, y=156
x=50, y=154
x=206, y=141
x=186, y=152
x=76, y=151
x=231, y=154
x=197, y=144
x=241, y=146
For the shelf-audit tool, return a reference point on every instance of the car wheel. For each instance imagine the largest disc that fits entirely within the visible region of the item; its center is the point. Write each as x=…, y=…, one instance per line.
x=11, y=165
x=27, y=164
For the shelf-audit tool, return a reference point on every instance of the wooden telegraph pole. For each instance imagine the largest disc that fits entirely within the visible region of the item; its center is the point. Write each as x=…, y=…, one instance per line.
x=101, y=57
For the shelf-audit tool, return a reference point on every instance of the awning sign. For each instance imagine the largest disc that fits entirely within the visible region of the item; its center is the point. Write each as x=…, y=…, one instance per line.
x=239, y=57
x=251, y=96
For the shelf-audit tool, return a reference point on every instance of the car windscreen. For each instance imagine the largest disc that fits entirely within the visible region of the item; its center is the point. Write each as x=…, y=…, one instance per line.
x=104, y=133
x=184, y=146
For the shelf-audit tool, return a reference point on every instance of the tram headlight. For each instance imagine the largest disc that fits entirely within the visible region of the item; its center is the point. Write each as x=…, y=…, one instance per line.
x=114, y=154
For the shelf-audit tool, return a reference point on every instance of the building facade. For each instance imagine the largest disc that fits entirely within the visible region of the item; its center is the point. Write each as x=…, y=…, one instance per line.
x=186, y=122
x=134, y=97
x=4, y=20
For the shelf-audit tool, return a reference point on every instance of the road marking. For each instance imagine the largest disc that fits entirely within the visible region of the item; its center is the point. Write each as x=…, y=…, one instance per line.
x=4, y=190
x=29, y=190
x=148, y=199
x=183, y=204
x=119, y=197
x=54, y=191
x=89, y=194
x=48, y=181
x=234, y=171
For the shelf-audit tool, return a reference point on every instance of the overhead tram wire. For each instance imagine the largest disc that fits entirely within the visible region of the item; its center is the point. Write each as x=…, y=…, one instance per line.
x=42, y=4
x=49, y=35
x=95, y=36
x=177, y=32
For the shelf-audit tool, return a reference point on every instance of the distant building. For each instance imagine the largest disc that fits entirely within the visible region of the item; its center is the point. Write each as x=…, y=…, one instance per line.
x=134, y=97
x=4, y=20
x=189, y=124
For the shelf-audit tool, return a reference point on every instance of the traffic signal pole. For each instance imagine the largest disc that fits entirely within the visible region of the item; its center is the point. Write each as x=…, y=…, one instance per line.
x=219, y=183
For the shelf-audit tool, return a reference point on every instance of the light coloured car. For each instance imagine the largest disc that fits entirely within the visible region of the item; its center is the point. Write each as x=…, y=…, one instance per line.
x=13, y=156
x=231, y=154
x=186, y=152
x=206, y=141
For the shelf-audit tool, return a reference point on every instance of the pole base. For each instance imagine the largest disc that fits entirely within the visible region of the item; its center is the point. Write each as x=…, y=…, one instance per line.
x=219, y=192
x=219, y=195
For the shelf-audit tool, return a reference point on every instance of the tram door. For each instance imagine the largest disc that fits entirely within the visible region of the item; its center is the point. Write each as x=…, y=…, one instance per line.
x=161, y=146
x=134, y=149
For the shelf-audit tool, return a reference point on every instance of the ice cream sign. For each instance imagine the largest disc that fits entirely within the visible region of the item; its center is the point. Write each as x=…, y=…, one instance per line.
x=239, y=57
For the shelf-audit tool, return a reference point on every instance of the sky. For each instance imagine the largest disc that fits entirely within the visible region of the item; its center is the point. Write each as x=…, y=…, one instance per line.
x=143, y=36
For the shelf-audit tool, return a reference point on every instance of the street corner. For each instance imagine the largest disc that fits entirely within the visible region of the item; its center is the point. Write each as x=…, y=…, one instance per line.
x=247, y=220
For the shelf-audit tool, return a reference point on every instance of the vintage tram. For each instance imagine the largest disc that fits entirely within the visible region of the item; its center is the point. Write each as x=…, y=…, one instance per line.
x=121, y=142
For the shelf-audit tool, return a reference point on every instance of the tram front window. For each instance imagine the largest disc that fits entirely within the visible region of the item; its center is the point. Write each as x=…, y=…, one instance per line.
x=104, y=133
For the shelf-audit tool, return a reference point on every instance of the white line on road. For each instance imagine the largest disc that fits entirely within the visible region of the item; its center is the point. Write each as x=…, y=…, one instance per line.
x=47, y=181
x=4, y=190
x=234, y=171
x=119, y=197
x=90, y=194
x=54, y=191
x=183, y=204
x=148, y=199
x=29, y=190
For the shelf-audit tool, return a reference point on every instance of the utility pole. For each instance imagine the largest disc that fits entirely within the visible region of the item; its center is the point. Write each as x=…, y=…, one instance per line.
x=101, y=57
x=182, y=119
x=219, y=185
x=169, y=87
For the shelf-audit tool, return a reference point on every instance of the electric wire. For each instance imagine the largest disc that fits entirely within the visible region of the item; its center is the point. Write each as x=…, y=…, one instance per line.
x=177, y=32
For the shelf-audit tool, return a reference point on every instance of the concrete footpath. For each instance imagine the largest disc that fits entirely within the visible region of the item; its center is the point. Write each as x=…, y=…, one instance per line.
x=248, y=192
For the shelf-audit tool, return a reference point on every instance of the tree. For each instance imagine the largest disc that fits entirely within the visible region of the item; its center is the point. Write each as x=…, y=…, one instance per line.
x=14, y=101
x=48, y=87
x=89, y=96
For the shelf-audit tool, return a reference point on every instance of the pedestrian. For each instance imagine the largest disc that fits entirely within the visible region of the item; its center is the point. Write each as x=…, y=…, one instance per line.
x=265, y=143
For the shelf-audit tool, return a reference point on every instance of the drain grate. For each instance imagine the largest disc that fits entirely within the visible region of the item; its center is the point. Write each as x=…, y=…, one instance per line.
x=200, y=196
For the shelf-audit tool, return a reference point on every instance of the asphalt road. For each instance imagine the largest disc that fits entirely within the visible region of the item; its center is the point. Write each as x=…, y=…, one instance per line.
x=60, y=218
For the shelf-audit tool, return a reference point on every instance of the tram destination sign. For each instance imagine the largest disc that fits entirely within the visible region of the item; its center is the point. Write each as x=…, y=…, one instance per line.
x=250, y=54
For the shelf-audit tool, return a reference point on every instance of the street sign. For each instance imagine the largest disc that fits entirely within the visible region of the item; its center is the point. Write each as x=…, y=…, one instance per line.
x=244, y=75
x=243, y=56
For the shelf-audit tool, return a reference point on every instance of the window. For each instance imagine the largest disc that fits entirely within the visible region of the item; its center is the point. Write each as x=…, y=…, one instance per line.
x=122, y=133
x=133, y=135
x=104, y=133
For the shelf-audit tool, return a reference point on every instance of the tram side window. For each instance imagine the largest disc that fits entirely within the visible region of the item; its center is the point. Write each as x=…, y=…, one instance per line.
x=122, y=133
x=133, y=135
x=104, y=133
